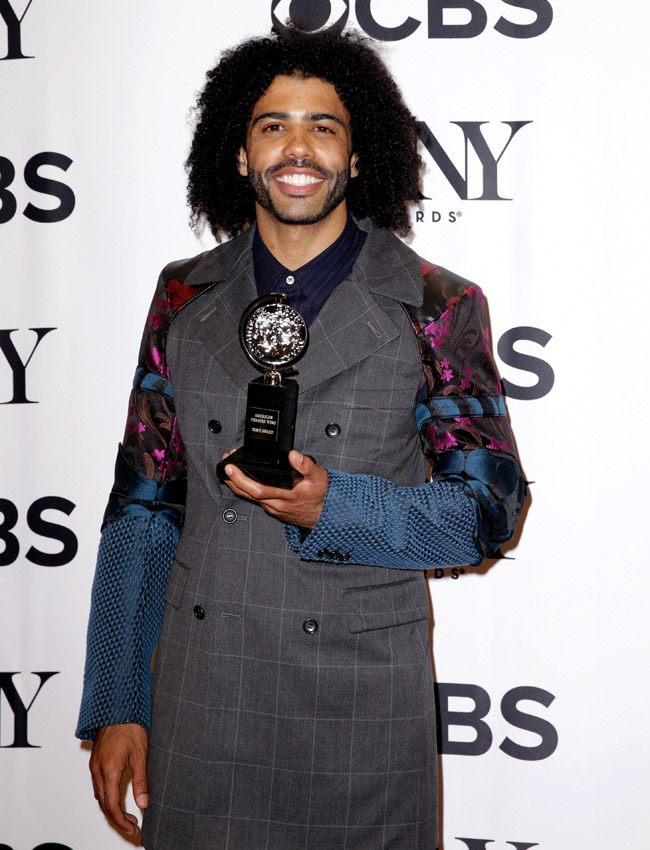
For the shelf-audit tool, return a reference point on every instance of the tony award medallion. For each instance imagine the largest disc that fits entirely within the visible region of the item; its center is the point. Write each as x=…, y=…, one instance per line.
x=274, y=336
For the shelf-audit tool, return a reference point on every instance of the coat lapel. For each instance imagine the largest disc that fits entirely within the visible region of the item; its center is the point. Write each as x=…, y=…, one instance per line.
x=230, y=268
x=351, y=326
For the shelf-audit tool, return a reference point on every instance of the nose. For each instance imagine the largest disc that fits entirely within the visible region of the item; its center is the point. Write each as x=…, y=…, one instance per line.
x=298, y=144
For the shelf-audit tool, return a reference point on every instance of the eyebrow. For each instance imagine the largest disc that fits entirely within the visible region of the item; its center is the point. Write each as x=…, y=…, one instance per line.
x=305, y=116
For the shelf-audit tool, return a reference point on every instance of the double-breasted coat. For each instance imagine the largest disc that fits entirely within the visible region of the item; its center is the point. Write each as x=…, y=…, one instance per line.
x=292, y=697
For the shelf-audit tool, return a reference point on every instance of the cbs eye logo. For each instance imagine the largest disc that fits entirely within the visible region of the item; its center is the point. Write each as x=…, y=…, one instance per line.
x=310, y=15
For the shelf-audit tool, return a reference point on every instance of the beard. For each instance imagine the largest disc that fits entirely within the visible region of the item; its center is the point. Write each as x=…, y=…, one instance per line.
x=335, y=194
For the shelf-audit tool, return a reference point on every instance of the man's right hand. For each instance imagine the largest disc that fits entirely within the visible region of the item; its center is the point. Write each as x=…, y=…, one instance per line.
x=116, y=749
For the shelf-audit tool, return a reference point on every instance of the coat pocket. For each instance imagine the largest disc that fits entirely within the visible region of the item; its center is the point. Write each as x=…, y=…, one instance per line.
x=382, y=606
x=178, y=576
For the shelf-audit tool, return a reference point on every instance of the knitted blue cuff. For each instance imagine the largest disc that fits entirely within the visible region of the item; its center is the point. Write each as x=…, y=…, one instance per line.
x=369, y=520
x=135, y=554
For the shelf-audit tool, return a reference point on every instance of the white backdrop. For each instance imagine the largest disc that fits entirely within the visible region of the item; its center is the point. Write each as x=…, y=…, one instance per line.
x=107, y=92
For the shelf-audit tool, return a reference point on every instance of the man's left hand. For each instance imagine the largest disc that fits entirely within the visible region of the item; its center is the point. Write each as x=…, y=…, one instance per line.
x=300, y=506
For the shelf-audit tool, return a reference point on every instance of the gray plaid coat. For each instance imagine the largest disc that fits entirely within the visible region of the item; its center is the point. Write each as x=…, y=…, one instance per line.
x=270, y=733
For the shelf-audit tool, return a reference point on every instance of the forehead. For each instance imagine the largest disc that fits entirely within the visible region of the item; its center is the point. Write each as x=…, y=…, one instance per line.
x=309, y=95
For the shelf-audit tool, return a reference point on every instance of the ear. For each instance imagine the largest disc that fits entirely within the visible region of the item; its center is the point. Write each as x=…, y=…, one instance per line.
x=354, y=171
x=242, y=162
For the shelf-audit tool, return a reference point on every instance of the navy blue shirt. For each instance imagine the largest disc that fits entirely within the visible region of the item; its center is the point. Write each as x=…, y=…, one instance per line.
x=308, y=287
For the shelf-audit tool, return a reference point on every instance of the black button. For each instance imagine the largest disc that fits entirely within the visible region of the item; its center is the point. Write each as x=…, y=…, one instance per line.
x=333, y=429
x=310, y=626
x=215, y=426
x=229, y=515
x=199, y=613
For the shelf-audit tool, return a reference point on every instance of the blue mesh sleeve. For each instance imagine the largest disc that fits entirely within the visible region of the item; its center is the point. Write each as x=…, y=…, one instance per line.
x=369, y=520
x=135, y=554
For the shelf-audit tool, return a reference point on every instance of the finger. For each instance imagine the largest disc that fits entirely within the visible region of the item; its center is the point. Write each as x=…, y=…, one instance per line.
x=98, y=796
x=139, y=781
x=245, y=486
x=112, y=807
x=98, y=785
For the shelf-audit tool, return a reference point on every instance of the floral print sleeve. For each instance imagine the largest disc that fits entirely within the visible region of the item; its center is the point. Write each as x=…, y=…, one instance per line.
x=462, y=416
x=150, y=466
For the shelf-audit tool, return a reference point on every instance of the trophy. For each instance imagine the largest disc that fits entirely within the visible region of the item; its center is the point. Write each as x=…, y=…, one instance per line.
x=274, y=336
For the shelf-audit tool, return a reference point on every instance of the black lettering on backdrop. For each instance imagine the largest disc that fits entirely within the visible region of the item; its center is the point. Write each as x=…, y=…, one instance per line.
x=52, y=531
x=9, y=519
x=474, y=27
x=543, y=20
x=17, y=366
x=7, y=199
x=39, y=183
x=474, y=719
x=312, y=15
x=541, y=727
x=371, y=27
x=47, y=186
x=40, y=526
x=526, y=362
x=13, y=22
x=18, y=707
x=489, y=162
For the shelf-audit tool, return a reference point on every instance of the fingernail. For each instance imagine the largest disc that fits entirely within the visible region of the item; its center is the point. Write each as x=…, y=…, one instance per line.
x=229, y=470
x=299, y=457
x=142, y=801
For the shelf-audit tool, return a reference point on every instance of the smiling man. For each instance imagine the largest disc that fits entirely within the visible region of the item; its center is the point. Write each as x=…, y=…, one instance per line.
x=292, y=697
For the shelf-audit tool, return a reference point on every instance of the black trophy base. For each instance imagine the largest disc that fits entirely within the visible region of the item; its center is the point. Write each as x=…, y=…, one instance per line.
x=276, y=474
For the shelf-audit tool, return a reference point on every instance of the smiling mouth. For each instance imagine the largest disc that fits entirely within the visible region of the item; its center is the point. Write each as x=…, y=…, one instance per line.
x=299, y=179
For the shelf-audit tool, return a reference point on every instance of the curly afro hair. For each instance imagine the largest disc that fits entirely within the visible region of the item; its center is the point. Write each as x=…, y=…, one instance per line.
x=384, y=132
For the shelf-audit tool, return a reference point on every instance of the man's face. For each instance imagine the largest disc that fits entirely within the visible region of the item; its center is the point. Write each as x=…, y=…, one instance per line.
x=298, y=153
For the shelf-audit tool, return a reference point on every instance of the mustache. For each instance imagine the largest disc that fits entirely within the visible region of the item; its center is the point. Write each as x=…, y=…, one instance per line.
x=298, y=163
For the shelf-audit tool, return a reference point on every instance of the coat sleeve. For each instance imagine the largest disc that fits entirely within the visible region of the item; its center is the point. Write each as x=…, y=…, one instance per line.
x=472, y=502
x=140, y=532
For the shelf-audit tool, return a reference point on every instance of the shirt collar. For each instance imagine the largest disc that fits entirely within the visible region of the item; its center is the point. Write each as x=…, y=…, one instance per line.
x=308, y=287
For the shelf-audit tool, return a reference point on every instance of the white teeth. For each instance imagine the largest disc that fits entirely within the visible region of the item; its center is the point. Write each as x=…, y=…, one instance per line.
x=299, y=179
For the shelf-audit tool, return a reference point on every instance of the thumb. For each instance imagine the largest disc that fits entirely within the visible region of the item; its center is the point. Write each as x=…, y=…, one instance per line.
x=303, y=463
x=140, y=783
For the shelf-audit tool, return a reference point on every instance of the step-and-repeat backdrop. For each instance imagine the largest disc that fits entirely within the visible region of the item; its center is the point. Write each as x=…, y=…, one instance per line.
x=535, y=136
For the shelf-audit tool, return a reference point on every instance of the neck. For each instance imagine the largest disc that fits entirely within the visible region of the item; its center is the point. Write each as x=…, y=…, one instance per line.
x=293, y=245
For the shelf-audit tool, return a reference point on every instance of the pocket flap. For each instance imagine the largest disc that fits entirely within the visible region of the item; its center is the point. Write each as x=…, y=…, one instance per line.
x=381, y=606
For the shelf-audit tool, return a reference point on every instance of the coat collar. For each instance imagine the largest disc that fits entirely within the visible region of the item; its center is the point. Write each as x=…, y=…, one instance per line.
x=351, y=326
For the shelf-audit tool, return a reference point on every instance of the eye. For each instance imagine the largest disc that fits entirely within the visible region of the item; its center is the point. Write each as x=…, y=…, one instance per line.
x=310, y=15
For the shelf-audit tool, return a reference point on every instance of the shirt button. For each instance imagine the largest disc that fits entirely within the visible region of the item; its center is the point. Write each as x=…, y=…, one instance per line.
x=229, y=515
x=310, y=626
x=289, y=279
x=199, y=613
x=333, y=429
x=215, y=426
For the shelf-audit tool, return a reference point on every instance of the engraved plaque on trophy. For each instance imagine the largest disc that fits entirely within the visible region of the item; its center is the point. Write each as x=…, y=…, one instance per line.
x=274, y=337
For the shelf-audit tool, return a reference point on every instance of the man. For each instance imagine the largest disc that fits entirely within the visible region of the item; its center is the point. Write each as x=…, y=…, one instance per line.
x=292, y=693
